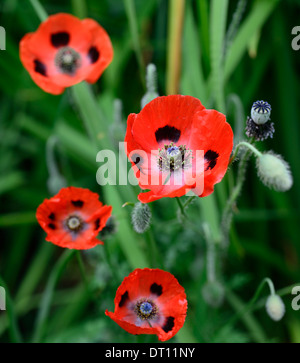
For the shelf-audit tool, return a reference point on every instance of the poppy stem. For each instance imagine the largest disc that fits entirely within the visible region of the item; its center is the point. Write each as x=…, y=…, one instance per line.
x=55, y=181
x=210, y=254
x=247, y=308
x=82, y=269
x=48, y=294
x=228, y=210
x=189, y=201
x=181, y=207
x=247, y=145
x=39, y=9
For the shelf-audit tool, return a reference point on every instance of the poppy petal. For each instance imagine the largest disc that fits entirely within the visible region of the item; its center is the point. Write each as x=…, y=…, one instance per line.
x=166, y=118
x=37, y=67
x=100, y=52
x=61, y=30
x=216, y=145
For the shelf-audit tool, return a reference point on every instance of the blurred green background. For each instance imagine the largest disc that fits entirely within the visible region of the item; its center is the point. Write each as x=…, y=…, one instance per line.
x=226, y=62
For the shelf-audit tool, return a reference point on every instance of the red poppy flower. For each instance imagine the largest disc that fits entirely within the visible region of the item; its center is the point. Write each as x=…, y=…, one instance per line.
x=175, y=145
x=65, y=51
x=73, y=218
x=150, y=301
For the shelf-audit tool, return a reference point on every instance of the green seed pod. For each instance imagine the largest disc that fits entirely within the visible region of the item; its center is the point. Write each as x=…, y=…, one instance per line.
x=260, y=112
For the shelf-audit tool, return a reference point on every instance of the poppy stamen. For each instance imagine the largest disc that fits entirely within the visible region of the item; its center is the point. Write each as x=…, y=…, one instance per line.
x=172, y=157
x=146, y=309
x=67, y=60
x=74, y=224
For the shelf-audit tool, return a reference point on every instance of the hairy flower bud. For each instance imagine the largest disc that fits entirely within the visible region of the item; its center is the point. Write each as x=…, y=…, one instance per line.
x=274, y=172
x=151, y=83
x=213, y=293
x=141, y=217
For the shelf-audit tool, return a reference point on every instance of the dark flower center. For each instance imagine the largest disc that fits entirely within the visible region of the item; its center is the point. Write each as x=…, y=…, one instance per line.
x=74, y=224
x=146, y=309
x=67, y=60
x=172, y=157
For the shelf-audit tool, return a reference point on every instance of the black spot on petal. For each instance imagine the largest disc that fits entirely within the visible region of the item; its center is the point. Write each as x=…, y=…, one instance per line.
x=156, y=289
x=167, y=133
x=137, y=159
x=211, y=164
x=97, y=223
x=52, y=226
x=169, y=324
x=77, y=203
x=124, y=299
x=93, y=54
x=40, y=68
x=211, y=157
x=60, y=39
x=52, y=216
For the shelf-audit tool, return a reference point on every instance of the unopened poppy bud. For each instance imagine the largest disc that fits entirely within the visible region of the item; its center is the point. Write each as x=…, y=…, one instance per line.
x=274, y=172
x=141, y=217
x=213, y=293
x=55, y=183
x=275, y=307
x=260, y=112
x=151, y=83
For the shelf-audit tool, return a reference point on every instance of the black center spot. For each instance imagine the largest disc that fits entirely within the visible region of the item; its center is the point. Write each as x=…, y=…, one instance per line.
x=167, y=133
x=40, y=68
x=169, y=324
x=60, y=39
x=93, y=54
x=124, y=299
x=156, y=289
x=77, y=203
x=52, y=226
x=211, y=157
x=97, y=223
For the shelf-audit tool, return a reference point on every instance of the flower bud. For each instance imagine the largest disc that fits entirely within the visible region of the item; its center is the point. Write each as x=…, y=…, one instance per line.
x=275, y=307
x=141, y=217
x=213, y=293
x=55, y=183
x=274, y=172
x=260, y=112
x=151, y=84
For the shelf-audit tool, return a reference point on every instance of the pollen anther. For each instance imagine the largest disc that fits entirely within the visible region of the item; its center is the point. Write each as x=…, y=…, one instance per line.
x=172, y=157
